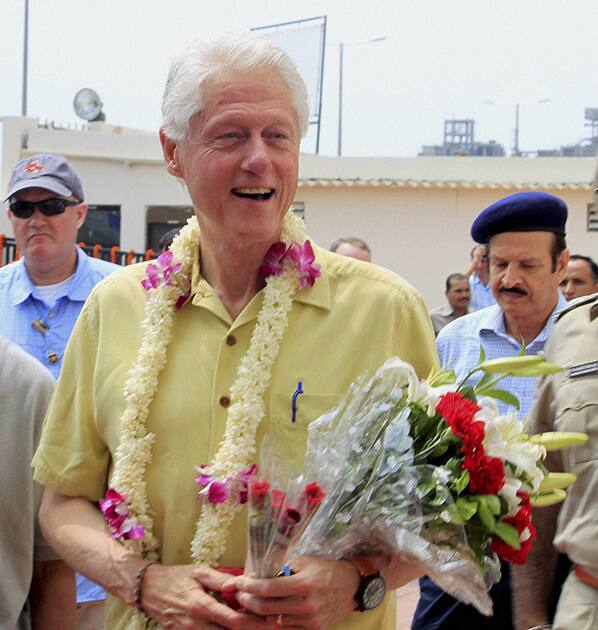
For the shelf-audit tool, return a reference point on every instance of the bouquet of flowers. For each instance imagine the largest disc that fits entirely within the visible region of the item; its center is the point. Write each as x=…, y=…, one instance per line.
x=428, y=469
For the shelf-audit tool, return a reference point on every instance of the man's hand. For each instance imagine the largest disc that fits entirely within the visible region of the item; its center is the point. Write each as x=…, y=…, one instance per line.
x=318, y=595
x=176, y=597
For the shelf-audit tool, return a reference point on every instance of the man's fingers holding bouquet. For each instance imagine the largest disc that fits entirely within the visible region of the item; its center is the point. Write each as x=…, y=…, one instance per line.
x=320, y=592
x=175, y=597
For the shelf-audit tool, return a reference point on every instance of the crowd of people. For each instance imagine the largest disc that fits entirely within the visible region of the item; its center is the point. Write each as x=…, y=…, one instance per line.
x=244, y=307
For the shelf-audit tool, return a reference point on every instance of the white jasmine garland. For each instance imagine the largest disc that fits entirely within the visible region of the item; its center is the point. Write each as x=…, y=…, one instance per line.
x=237, y=449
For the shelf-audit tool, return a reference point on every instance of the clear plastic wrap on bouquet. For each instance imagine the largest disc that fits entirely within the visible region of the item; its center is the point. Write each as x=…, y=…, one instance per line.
x=280, y=506
x=380, y=496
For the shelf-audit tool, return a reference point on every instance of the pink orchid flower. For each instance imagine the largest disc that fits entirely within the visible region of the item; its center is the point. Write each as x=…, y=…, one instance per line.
x=155, y=275
x=115, y=511
x=304, y=257
x=273, y=264
x=215, y=491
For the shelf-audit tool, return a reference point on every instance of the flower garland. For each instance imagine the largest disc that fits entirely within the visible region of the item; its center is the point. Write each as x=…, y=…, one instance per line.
x=170, y=284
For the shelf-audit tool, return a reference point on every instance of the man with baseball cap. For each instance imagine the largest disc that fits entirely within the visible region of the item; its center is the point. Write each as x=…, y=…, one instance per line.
x=42, y=293
x=525, y=235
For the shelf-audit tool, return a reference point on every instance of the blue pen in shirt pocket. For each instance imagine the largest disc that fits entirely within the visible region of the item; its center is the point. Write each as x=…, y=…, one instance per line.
x=296, y=394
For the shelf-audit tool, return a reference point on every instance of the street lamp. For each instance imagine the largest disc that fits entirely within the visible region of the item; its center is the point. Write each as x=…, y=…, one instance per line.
x=341, y=50
x=516, y=151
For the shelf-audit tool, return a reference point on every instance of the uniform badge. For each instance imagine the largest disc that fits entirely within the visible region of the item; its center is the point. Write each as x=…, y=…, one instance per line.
x=583, y=369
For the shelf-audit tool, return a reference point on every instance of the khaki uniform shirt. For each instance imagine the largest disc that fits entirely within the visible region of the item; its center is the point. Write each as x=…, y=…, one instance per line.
x=441, y=316
x=353, y=319
x=25, y=390
x=568, y=401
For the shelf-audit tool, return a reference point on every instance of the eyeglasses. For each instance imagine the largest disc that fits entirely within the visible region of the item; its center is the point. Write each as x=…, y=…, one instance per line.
x=48, y=207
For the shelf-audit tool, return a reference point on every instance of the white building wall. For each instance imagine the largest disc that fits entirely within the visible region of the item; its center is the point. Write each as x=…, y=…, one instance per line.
x=421, y=234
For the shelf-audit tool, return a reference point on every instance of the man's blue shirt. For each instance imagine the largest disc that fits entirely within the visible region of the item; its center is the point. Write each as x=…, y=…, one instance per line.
x=459, y=348
x=481, y=294
x=29, y=322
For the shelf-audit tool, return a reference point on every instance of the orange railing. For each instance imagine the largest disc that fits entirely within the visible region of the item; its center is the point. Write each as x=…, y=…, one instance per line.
x=9, y=252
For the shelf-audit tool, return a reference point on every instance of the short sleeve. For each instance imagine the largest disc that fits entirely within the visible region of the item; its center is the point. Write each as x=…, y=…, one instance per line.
x=415, y=336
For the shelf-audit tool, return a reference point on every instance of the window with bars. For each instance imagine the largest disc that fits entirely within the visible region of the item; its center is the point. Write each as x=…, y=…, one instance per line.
x=592, y=217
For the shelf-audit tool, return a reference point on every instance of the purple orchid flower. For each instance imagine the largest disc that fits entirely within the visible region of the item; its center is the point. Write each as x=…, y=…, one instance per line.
x=215, y=491
x=240, y=486
x=304, y=257
x=114, y=509
x=273, y=264
x=155, y=275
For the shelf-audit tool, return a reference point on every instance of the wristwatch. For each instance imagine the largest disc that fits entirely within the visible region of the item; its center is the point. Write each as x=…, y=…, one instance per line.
x=372, y=586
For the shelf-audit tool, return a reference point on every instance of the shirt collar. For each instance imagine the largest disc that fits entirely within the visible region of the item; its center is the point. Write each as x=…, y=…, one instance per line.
x=77, y=289
x=492, y=320
x=319, y=295
x=447, y=310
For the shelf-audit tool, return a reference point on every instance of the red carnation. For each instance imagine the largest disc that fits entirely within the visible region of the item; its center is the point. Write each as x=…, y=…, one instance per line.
x=486, y=474
x=278, y=498
x=457, y=410
x=521, y=521
x=315, y=495
x=259, y=489
x=290, y=516
x=473, y=438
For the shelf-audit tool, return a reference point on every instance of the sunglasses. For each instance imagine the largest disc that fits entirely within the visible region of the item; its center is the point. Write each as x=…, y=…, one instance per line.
x=48, y=207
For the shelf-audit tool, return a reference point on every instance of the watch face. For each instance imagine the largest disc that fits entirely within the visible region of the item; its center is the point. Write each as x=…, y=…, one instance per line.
x=373, y=593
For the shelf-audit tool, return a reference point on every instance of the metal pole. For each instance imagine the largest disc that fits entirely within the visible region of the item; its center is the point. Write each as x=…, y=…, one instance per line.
x=516, y=149
x=340, y=98
x=321, y=90
x=25, y=53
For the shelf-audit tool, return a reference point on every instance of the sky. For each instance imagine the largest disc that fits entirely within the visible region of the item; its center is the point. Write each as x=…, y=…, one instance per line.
x=440, y=59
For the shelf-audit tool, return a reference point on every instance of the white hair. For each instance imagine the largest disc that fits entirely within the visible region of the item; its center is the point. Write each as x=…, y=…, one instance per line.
x=230, y=52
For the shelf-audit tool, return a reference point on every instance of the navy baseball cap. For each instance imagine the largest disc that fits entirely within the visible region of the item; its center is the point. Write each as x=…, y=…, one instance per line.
x=521, y=212
x=45, y=170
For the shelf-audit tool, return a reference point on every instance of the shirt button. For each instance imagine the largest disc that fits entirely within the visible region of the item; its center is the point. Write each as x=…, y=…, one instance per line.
x=52, y=356
x=224, y=401
x=50, y=313
x=579, y=404
x=231, y=340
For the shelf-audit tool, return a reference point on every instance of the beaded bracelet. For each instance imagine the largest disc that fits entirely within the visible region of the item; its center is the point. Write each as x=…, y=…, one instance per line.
x=139, y=585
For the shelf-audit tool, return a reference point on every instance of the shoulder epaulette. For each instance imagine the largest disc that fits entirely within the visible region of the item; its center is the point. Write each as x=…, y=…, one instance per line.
x=580, y=301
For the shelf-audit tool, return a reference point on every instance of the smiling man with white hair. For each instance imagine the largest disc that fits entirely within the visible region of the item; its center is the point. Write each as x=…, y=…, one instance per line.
x=241, y=309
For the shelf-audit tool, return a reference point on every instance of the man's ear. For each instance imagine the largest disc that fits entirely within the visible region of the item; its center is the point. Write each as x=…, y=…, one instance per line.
x=561, y=264
x=170, y=151
x=81, y=211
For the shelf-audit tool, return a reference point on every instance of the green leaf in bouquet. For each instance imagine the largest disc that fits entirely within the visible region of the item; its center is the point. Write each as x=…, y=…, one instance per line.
x=508, y=534
x=482, y=354
x=424, y=489
x=468, y=392
x=501, y=394
x=466, y=508
x=461, y=482
x=485, y=514
x=492, y=502
x=440, y=376
x=486, y=378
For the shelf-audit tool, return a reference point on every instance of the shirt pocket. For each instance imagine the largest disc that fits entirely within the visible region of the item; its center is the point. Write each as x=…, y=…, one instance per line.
x=577, y=410
x=292, y=435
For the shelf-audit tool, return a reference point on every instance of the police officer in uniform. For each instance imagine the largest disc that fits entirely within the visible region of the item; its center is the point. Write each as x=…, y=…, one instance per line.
x=568, y=401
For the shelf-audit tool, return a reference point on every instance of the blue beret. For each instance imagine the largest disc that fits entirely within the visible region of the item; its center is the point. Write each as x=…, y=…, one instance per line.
x=521, y=212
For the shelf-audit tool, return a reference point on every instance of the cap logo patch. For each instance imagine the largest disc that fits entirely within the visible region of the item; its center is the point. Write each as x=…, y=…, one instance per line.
x=33, y=167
